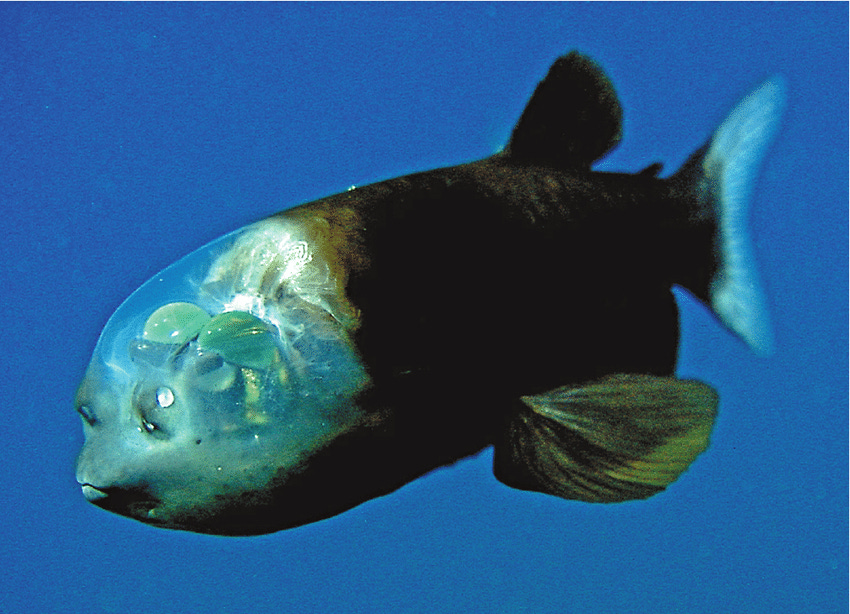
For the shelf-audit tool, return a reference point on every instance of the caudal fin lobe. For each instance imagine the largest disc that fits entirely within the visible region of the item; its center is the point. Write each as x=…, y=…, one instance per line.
x=722, y=175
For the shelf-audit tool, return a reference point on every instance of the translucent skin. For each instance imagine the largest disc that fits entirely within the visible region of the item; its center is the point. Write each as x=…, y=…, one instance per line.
x=229, y=365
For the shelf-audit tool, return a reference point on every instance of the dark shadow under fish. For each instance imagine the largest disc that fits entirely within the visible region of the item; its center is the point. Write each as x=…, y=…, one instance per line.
x=340, y=349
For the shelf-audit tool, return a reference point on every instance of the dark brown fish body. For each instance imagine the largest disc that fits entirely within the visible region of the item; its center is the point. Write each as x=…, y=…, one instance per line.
x=521, y=301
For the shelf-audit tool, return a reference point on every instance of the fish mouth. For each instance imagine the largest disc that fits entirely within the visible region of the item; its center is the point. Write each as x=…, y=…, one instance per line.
x=133, y=503
x=92, y=493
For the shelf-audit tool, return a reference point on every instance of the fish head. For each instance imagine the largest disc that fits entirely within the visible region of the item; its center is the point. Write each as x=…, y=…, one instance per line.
x=216, y=380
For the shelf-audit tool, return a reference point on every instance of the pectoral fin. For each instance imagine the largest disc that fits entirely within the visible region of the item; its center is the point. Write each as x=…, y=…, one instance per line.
x=619, y=438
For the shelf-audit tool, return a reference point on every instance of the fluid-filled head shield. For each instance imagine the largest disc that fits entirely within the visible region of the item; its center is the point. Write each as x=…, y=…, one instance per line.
x=219, y=375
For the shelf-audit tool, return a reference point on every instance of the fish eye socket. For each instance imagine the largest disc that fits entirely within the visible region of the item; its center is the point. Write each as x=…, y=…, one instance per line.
x=88, y=415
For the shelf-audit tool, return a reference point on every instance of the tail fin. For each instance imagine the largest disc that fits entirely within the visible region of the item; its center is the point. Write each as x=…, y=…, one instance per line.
x=722, y=174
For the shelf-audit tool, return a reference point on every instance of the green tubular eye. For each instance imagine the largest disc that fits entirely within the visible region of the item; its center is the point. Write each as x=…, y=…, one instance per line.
x=241, y=339
x=175, y=323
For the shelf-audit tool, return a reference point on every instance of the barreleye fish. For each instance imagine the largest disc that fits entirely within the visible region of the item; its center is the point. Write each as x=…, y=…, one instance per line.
x=335, y=351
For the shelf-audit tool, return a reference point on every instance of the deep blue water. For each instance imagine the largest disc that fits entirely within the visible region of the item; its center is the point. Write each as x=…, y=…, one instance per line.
x=131, y=134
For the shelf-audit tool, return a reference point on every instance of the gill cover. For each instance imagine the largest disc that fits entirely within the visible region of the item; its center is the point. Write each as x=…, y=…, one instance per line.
x=219, y=374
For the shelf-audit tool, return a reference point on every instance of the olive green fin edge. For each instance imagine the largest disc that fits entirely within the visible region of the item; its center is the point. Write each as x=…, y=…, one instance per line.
x=620, y=438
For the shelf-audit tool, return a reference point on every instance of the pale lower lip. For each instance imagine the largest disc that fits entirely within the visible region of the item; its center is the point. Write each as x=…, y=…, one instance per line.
x=93, y=494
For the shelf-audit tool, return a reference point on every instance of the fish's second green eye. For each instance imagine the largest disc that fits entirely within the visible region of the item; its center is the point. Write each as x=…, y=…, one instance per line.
x=175, y=323
x=241, y=339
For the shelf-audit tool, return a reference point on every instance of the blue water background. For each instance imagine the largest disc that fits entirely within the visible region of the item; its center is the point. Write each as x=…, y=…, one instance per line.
x=131, y=134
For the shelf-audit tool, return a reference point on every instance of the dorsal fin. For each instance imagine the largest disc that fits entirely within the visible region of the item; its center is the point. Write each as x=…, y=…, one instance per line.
x=572, y=119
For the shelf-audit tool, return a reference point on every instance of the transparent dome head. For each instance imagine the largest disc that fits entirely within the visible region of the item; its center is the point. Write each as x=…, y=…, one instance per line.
x=226, y=366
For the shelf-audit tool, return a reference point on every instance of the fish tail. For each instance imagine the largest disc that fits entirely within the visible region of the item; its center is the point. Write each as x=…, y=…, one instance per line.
x=719, y=179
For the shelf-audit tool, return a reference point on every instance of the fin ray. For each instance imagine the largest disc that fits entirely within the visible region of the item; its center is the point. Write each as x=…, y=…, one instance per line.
x=623, y=437
x=729, y=167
